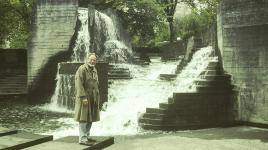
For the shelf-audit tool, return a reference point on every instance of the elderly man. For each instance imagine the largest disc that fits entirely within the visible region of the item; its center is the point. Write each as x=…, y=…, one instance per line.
x=87, y=99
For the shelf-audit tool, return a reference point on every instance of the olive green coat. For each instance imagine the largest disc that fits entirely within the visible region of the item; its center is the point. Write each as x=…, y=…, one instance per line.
x=87, y=86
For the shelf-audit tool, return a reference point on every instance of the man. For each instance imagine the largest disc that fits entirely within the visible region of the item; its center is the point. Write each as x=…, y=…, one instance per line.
x=87, y=99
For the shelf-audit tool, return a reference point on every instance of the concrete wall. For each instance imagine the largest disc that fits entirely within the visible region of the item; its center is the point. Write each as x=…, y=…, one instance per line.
x=53, y=27
x=171, y=50
x=13, y=59
x=243, y=42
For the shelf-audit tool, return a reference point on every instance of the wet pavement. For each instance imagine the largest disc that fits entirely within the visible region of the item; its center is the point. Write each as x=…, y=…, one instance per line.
x=35, y=120
x=30, y=118
x=235, y=138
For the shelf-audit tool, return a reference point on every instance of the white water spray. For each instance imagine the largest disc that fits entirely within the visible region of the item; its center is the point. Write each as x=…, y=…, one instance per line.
x=128, y=99
x=82, y=44
x=114, y=48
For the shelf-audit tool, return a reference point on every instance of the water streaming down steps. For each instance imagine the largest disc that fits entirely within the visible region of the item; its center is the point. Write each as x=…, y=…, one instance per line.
x=128, y=99
x=211, y=104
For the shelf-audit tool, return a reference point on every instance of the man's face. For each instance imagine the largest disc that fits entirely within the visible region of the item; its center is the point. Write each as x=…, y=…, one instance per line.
x=92, y=60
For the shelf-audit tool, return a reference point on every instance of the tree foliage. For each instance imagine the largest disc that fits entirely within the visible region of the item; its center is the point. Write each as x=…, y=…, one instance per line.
x=144, y=20
x=169, y=7
x=202, y=17
x=15, y=22
x=148, y=21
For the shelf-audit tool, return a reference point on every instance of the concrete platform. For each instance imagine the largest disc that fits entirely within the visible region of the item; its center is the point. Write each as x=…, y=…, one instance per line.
x=5, y=131
x=71, y=143
x=235, y=138
x=22, y=140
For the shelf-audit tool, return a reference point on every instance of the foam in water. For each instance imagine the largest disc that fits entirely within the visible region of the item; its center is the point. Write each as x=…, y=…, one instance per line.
x=128, y=99
x=185, y=80
x=81, y=48
x=115, y=49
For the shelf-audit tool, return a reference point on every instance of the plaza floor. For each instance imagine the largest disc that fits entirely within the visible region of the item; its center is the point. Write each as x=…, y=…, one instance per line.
x=234, y=138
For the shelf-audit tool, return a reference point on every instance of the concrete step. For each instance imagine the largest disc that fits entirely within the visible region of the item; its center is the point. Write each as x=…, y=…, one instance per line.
x=171, y=116
x=12, y=83
x=157, y=110
x=18, y=87
x=119, y=74
x=189, y=126
x=13, y=76
x=213, y=68
x=169, y=111
x=168, y=76
x=171, y=127
x=116, y=78
x=118, y=71
x=213, y=64
x=24, y=80
x=211, y=72
x=217, y=89
x=117, y=68
x=156, y=121
x=22, y=140
x=187, y=109
x=141, y=62
x=155, y=116
x=217, y=77
x=71, y=143
x=3, y=93
x=186, y=96
x=213, y=82
x=13, y=90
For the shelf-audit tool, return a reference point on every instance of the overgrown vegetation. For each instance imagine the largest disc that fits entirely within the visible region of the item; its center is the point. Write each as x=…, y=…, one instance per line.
x=144, y=19
x=15, y=22
x=203, y=15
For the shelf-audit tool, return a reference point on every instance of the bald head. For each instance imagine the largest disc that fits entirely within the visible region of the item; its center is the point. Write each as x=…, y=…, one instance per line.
x=92, y=59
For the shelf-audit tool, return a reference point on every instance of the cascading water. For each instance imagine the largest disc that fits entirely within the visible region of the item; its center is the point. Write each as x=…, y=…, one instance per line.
x=108, y=37
x=82, y=44
x=116, y=47
x=129, y=98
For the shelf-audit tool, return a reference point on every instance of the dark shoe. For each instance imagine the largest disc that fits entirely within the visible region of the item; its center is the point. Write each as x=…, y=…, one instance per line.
x=87, y=143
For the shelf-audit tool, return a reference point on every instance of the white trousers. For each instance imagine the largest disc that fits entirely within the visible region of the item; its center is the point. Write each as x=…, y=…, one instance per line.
x=84, y=131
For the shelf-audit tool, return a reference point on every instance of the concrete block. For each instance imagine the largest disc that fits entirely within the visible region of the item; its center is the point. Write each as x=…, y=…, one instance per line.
x=71, y=143
x=22, y=140
x=6, y=131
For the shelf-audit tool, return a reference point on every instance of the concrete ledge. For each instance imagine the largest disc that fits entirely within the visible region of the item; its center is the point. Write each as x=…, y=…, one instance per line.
x=71, y=143
x=168, y=76
x=173, y=127
x=22, y=140
x=6, y=131
x=254, y=124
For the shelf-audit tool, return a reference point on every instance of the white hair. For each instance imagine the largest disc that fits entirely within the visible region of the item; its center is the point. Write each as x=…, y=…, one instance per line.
x=91, y=55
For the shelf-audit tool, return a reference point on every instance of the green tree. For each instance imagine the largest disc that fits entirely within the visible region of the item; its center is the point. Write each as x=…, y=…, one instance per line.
x=144, y=19
x=15, y=22
x=202, y=17
x=170, y=8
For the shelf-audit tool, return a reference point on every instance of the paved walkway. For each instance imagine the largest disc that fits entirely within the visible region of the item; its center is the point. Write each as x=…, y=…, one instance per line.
x=236, y=138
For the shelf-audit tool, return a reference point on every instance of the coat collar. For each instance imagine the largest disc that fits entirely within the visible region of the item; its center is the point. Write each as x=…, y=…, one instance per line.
x=89, y=68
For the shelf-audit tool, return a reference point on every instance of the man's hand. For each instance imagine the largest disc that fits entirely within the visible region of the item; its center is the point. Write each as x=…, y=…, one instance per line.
x=85, y=101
